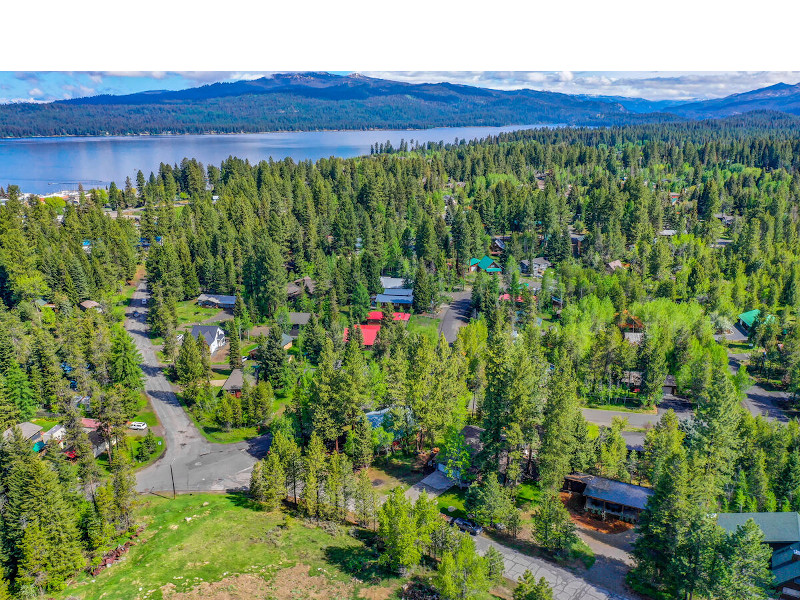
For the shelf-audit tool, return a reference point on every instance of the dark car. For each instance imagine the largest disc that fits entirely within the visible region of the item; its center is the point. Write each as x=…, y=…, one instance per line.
x=468, y=526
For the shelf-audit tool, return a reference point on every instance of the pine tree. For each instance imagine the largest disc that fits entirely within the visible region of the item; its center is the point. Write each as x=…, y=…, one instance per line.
x=360, y=303
x=17, y=390
x=462, y=572
x=123, y=485
x=271, y=357
x=126, y=361
x=530, y=589
x=747, y=558
x=552, y=526
x=423, y=290
x=397, y=529
x=274, y=481
x=315, y=475
x=234, y=348
x=188, y=366
x=562, y=413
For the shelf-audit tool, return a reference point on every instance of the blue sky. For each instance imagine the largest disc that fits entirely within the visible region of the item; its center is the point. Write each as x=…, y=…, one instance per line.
x=41, y=86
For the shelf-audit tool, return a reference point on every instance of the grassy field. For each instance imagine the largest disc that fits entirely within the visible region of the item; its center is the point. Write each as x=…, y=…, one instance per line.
x=398, y=469
x=427, y=326
x=453, y=498
x=133, y=441
x=218, y=547
x=189, y=312
x=45, y=424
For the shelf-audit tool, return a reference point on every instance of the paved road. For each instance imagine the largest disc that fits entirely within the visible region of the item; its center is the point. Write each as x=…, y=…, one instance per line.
x=195, y=463
x=455, y=315
x=603, y=417
x=759, y=401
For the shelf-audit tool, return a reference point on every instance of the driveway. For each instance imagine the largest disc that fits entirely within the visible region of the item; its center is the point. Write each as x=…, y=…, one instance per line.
x=435, y=484
x=455, y=315
x=566, y=585
x=757, y=400
x=191, y=463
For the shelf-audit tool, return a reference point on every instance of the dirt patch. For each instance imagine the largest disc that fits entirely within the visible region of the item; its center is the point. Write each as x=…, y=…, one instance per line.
x=378, y=482
x=376, y=593
x=239, y=587
x=289, y=584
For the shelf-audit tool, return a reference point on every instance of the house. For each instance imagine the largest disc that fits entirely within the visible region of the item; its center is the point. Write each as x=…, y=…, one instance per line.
x=56, y=432
x=782, y=532
x=392, y=282
x=634, y=339
x=577, y=239
x=498, y=245
x=485, y=264
x=749, y=318
x=235, y=382
x=472, y=440
x=674, y=197
x=507, y=298
x=395, y=296
x=667, y=232
x=213, y=335
x=298, y=320
x=30, y=432
x=216, y=301
x=91, y=304
x=631, y=380
x=726, y=220
x=629, y=322
x=295, y=289
x=286, y=341
x=604, y=497
x=614, y=265
x=535, y=267
x=86, y=245
x=368, y=332
x=376, y=316
x=670, y=385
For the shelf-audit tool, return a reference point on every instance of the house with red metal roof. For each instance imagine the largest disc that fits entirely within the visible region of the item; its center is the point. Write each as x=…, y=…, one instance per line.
x=375, y=316
x=368, y=332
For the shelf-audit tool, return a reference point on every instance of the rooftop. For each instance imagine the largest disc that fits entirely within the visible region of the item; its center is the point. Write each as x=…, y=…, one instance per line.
x=617, y=492
x=377, y=315
x=28, y=430
x=369, y=332
x=299, y=318
x=778, y=527
x=216, y=299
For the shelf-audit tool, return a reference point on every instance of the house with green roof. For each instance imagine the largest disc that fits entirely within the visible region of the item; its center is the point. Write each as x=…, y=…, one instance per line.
x=749, y=318
x=782, y=533
x=485, y=264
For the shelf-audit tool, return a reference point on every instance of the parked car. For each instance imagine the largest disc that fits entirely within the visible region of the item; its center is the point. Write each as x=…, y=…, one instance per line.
x=138, y=425
x=467, y=525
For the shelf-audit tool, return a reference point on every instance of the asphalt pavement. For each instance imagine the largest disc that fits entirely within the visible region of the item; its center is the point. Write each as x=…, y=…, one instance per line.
x=191, y=462
x=455, y=315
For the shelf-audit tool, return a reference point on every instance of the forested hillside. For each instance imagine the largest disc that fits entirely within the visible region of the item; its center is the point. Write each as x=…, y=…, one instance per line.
x=702, y=219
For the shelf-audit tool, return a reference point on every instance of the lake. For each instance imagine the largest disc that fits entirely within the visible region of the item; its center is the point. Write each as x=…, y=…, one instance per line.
x=47, y=165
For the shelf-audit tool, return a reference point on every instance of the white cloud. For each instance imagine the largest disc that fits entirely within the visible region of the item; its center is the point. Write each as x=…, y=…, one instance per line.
x=34, y=92
x=653, y=85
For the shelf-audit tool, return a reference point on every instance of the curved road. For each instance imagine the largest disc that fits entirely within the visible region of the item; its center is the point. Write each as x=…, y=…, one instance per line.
x=194, y=463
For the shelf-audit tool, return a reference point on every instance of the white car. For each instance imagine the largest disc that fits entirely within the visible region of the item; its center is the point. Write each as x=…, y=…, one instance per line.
x=138, y=425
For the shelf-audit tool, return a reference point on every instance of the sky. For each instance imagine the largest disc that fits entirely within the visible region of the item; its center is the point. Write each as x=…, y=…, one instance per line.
x=46, y=86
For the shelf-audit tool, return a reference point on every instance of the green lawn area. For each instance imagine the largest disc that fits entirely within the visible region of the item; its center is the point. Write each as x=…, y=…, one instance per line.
x=454, y=497
x=189, y=312
x=148, y=416
x=622, y=408
x=206, y=538
x=45, y=424
x=528, y=495
x=427, y=326
x=134, y=441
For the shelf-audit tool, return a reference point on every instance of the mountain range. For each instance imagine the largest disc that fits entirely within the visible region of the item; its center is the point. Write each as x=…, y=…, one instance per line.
x=318, y=100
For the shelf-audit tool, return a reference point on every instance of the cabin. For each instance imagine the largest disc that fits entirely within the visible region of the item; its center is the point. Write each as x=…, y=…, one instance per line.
x=498, y=246
x=472, y=440
x=608, y=498
x=389, y=283
x=633, y=338
x=782, y=533
x=485, y=264
x=235, y=382
x=668, y=232
x=216, y=301
x=614, y=265
x=751, y=317
x=299, y=287
x=213, y=335
x=368, y=332
x=91, y=305
x=670, y=385
x=631, y=380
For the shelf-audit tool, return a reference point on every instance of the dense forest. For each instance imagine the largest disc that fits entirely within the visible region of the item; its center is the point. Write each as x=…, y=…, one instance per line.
x=702, y=218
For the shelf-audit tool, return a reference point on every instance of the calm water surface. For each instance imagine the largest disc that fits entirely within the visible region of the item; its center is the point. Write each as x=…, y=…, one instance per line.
x=46, y=165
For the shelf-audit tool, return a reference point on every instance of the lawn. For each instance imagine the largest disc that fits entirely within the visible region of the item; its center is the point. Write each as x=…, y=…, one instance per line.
x=45, y=424
x=453, y=498
x=387, y=473
x=622, y=408
x=215, y=544
x=189, y=312
x=133, y=446
x=427, y=326
x=528, y=495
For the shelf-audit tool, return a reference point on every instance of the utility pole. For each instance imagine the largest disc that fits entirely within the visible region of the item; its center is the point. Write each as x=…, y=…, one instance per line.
x=172, y=475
